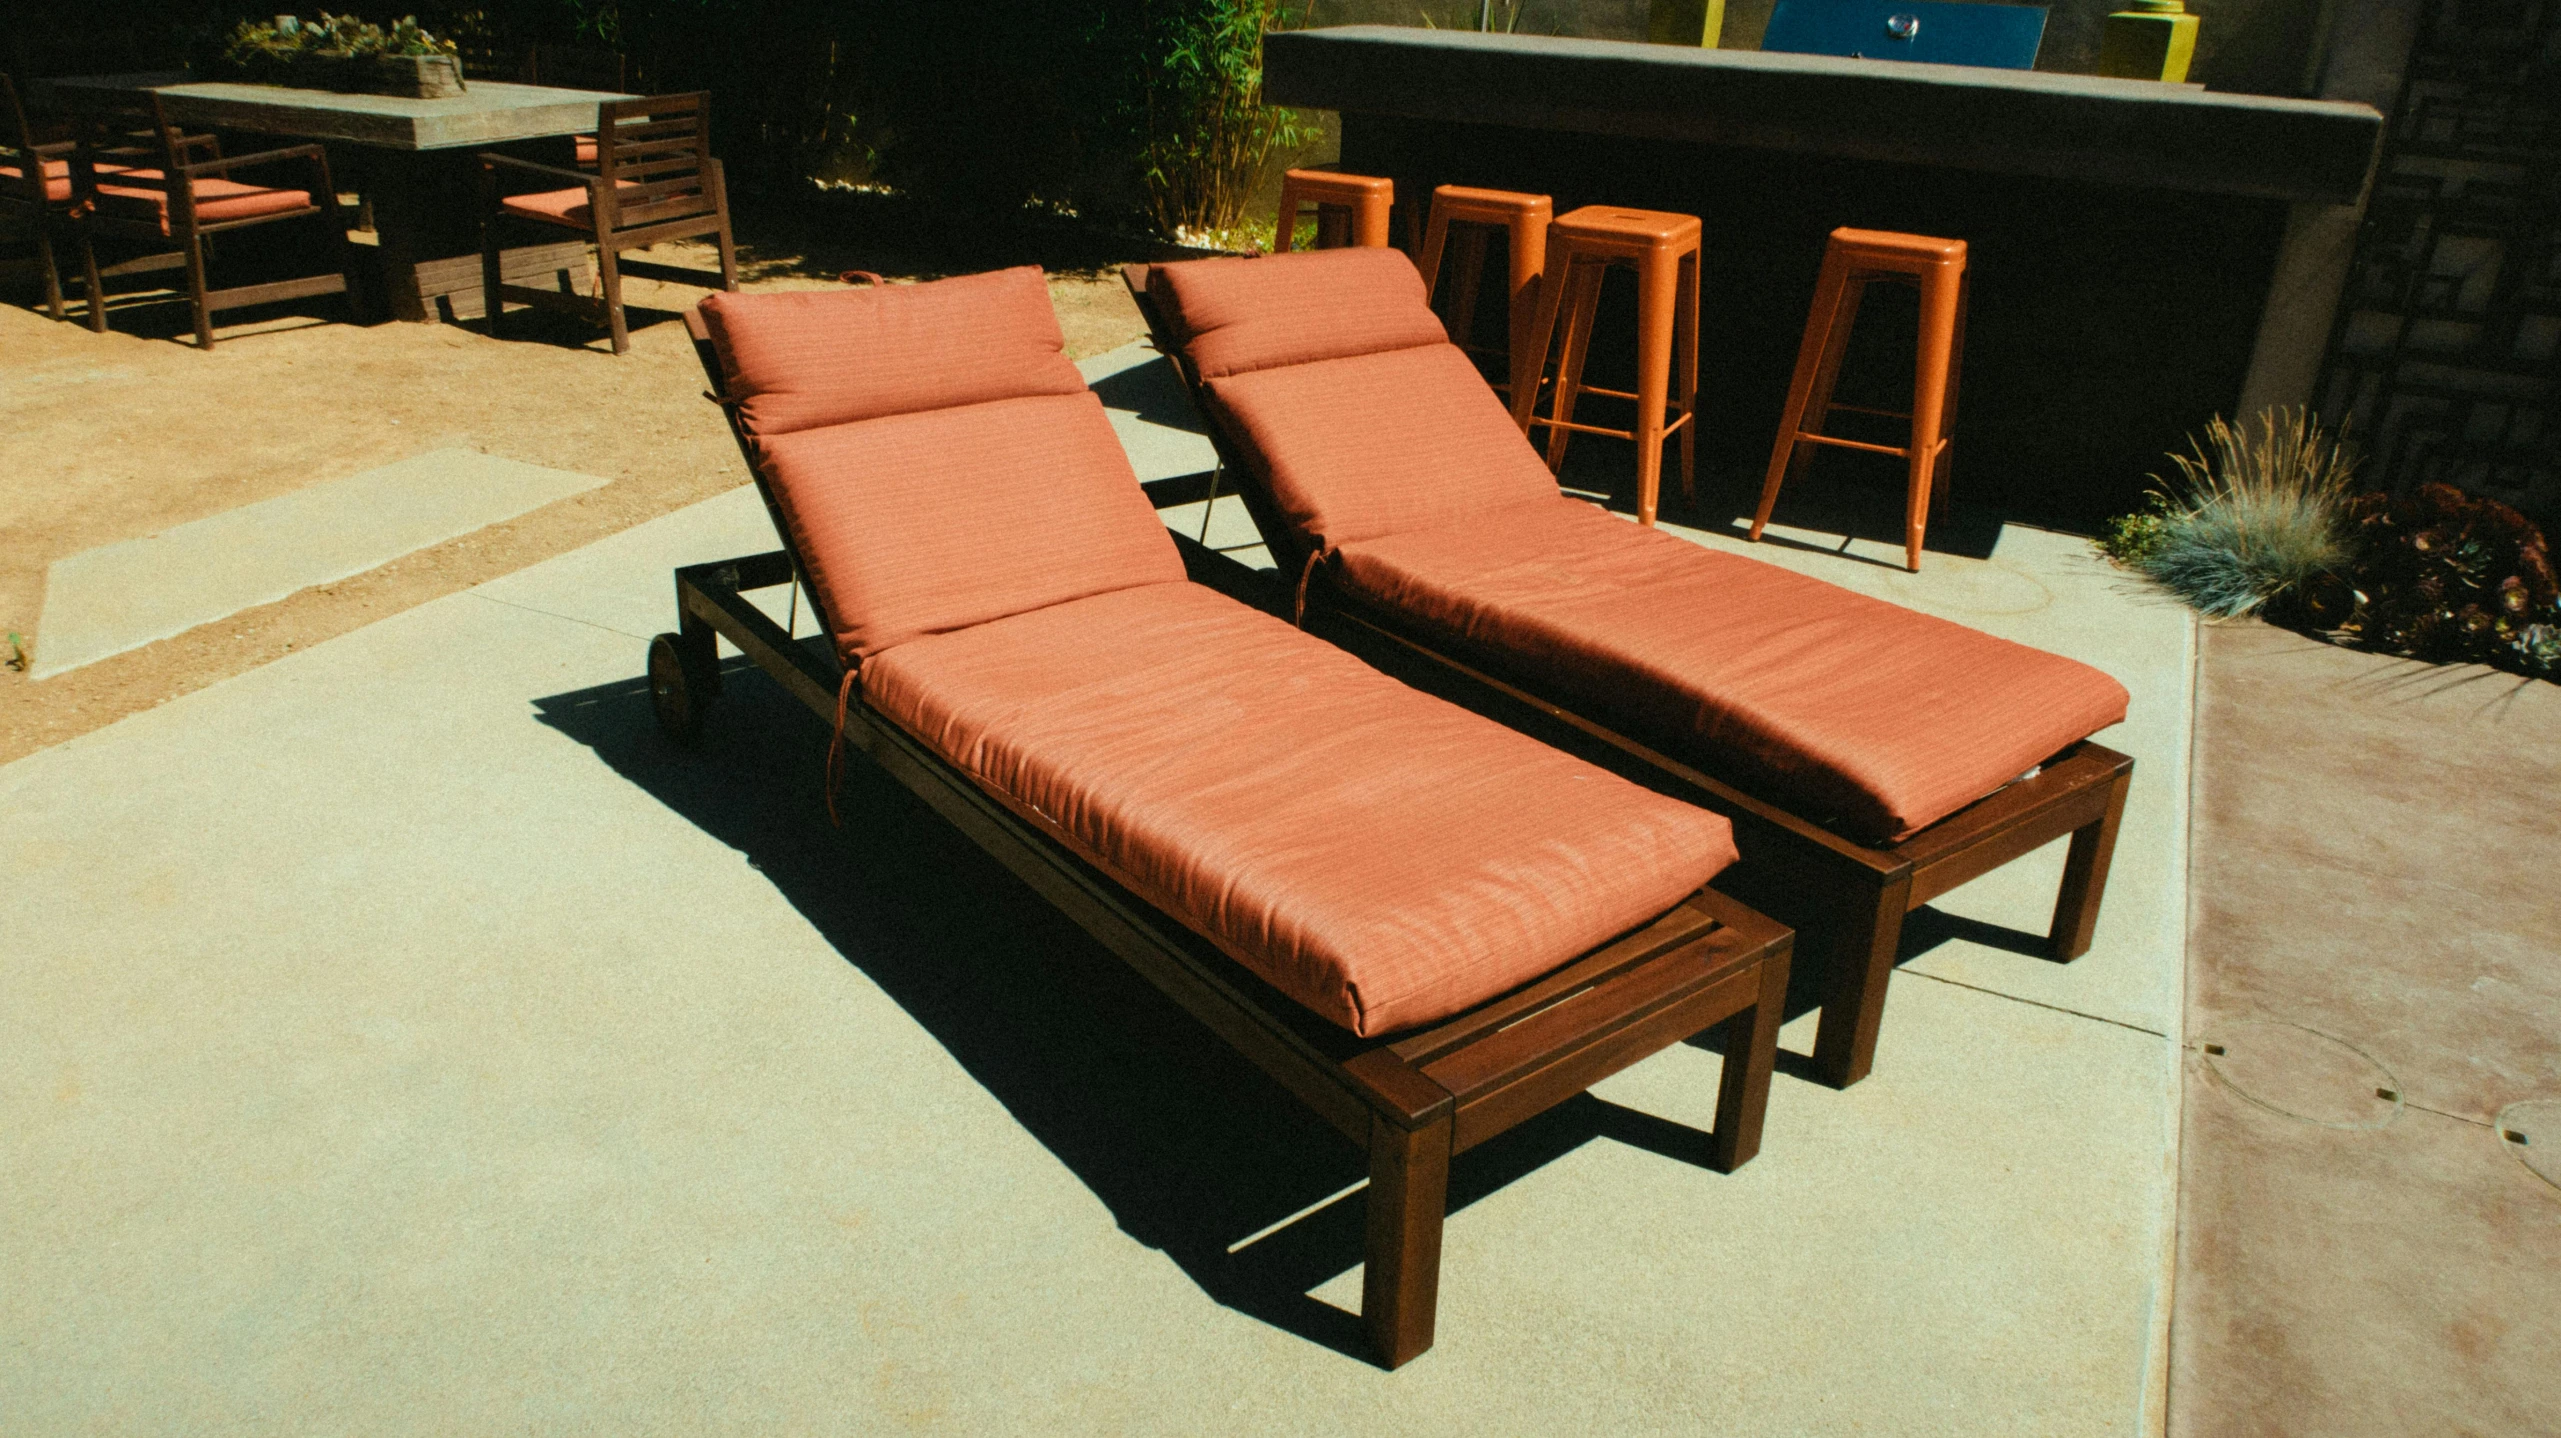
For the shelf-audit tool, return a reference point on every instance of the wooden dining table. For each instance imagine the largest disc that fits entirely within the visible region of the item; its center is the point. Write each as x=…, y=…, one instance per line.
x=416, y=162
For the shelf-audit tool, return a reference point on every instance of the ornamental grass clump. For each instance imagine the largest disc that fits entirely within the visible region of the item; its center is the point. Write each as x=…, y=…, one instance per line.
x=2256, y=517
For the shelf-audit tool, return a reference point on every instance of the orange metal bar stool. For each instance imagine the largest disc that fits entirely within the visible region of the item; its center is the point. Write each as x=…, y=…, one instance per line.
x=1663, y=250
x=1853, y=260
x=1350, y=209
x=1524, y=220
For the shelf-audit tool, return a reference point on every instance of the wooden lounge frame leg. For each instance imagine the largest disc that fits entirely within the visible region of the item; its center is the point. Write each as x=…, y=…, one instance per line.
x=2085, y=869
x=1408, y=1203
x=1751, y=1054
x=1862, y=945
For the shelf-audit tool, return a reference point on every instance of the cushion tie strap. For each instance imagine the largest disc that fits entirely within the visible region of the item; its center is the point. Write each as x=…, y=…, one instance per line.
x=1298, y=615
x=836, y=743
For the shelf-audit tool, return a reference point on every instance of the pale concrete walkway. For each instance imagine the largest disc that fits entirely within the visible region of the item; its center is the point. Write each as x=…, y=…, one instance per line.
x=401, y=1038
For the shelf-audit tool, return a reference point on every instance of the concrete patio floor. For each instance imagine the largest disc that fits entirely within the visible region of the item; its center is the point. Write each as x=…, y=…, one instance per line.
x=402, y=1037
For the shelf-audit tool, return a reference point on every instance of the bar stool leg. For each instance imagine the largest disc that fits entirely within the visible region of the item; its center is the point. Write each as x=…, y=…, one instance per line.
x=1818, y=405
x=1943, y=483
x=1584, y=278
x=1435, y=241
x=1471, y=270
x=1658, y=292
x=1929, y=401
x=1685, y=352
x=1542, y=331
x=1528, y=260
x=1372, y=224
x=1811, y=353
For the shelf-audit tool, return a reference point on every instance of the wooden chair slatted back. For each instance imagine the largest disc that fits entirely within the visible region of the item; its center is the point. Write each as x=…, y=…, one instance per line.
x=133, y=134
x=654, y=154
x=19, y=151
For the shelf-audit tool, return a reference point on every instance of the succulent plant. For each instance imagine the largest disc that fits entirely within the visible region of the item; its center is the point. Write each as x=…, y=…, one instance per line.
x=2451, y=577
x=266, y=46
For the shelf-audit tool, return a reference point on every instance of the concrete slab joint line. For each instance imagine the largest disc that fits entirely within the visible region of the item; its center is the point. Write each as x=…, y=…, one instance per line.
x=117, y=597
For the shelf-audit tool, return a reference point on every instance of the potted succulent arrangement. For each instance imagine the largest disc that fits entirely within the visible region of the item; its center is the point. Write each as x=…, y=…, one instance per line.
x=340, y=52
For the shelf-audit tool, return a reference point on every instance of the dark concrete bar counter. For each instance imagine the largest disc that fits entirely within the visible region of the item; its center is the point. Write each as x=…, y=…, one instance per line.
x=2143, y=255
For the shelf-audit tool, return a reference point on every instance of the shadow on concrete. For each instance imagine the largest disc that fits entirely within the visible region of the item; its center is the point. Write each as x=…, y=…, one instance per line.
x=1192, y=1148
x=1151, y=391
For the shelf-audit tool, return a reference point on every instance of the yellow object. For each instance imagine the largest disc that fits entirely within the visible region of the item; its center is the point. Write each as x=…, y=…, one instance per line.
x=1685, y=22
x=2152, y=41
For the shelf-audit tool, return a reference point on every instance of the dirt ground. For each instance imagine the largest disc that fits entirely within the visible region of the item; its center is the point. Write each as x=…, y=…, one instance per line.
x=118, y=436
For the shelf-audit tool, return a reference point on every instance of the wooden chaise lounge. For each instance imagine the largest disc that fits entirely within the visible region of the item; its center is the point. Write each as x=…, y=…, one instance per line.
x=1426, y=926
x=1871, y=758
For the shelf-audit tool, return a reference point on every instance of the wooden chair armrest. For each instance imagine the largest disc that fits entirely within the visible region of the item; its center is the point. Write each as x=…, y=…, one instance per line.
x=576, y=177
x=263, y=157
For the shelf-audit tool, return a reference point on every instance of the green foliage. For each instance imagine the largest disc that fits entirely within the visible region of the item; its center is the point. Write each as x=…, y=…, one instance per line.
x=264, y=46
x=1208, y=137
x=2132, y=539
x=2256, y=512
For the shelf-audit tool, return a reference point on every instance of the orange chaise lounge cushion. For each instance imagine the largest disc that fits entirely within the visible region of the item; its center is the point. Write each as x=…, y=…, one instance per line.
x=1238, y=315
x=1382, y=857
x=820, y=357
x=913, y=516
x=1378, y=855
x=1867, y=715
x=1874, y=718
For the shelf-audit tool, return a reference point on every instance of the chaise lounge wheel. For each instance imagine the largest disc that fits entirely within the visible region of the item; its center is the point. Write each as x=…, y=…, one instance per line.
x=677, y=693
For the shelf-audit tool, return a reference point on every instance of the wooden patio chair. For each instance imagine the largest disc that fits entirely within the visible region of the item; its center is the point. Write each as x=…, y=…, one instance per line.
x=655, y=180
x=35, y=187
x=137, y=177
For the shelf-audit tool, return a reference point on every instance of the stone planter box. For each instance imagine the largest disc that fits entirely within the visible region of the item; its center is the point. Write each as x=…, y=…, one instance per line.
x=417, y=77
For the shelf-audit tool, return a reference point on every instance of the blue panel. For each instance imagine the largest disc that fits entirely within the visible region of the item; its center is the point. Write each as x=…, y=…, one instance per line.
x=2003, y=37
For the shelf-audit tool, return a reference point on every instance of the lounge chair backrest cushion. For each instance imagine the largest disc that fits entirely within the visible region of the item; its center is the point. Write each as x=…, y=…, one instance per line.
x=818, y=357
x=1353, y=449
x=938, y=516
x=1239, y=316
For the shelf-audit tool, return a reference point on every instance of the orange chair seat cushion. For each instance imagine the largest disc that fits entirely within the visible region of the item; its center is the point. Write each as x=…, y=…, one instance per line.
x=1353, y=449
x=586, y=148
x=919, y=523
x=1238, y=316
x=1378, y=855
x=57, y=180
x=558, y=207
x=796, y=360
x=1876, y=718
x=216, y=199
